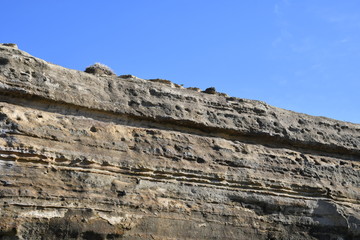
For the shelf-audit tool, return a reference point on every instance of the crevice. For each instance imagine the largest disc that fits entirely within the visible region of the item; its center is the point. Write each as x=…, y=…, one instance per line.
x=295, y=191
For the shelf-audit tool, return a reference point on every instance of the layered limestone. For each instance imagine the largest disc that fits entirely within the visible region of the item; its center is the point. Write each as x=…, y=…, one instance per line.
x=86, y=156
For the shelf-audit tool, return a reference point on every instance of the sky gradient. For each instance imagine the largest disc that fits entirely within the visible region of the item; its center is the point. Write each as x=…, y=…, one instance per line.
x=302, y=56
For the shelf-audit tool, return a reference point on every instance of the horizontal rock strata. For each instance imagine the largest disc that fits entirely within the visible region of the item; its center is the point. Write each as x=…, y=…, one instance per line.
x=85, y=156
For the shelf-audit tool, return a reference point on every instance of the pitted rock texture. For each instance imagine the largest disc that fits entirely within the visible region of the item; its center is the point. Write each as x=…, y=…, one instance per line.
x=107, y=157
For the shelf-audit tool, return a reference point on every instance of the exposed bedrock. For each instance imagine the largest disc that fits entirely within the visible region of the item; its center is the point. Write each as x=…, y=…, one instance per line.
x=87, y=156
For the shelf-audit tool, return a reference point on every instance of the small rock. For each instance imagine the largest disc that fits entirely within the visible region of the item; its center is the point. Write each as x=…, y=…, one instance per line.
x=127, y=76
x=223, y=94
x=99, y=69
x=13, y=45
x=210, y=90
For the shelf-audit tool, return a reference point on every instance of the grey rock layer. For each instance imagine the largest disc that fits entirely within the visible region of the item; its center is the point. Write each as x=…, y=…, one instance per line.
x=106, y=157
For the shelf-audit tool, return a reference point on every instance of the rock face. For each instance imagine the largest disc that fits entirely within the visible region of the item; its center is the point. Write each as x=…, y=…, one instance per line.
x=86, y=156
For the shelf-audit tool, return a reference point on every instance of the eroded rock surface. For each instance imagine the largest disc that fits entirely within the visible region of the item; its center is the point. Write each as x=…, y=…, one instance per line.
x=106, y=157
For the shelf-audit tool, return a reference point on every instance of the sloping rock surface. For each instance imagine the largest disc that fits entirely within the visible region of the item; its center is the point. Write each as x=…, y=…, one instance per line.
x=85, y=156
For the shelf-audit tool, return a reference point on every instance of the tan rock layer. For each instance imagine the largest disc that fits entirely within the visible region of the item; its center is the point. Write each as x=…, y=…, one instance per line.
x=85, y=157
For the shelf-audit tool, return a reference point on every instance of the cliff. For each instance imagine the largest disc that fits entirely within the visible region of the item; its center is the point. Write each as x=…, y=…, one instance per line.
x=86, y=156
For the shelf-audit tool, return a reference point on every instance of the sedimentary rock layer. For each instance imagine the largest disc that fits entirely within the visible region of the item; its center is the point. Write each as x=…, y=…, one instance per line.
x=85, y=156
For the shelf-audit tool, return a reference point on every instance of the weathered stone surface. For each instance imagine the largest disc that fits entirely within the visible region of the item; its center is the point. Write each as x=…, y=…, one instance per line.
x=106, y=157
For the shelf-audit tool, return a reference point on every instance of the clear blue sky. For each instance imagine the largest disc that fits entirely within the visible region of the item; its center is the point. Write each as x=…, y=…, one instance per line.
x=301, y=55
